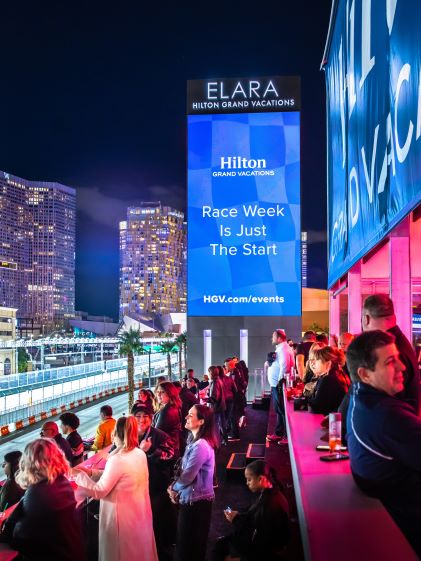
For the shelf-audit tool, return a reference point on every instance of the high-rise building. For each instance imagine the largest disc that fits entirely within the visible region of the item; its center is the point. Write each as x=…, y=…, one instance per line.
x=37, y=250
x=152, y=261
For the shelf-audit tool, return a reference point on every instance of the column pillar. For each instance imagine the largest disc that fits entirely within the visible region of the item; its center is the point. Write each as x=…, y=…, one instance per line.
x=400, y=287
x=244, y=345
x=334, y=313
x=354, y=299
x=207, y=349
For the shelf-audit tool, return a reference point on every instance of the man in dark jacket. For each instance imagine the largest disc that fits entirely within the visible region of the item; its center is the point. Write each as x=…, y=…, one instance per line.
x=50, y=430
x=159, y=451
x=378, y=313
x=384, y=432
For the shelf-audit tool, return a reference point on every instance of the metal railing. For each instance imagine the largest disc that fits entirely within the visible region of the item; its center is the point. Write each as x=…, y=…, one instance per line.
x=69, y=384
x=51, y=375
x=46, y=404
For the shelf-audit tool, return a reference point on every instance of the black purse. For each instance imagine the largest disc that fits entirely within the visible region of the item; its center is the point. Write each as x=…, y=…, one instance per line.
x=177, y=469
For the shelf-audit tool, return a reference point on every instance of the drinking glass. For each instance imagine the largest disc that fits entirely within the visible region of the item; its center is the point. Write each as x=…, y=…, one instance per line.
x=335, y=432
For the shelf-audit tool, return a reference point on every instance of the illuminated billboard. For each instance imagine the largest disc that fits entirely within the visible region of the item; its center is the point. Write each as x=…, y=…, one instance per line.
x=244, y=232
x=374, y=125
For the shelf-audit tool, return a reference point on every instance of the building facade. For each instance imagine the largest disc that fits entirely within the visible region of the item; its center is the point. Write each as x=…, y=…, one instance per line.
x=8, y=355
x=37, y=250
x=152, y=261
x=373, y=89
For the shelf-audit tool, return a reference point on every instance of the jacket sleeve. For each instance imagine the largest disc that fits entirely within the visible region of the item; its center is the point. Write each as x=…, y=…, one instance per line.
x=197, y=458
x=106, y=483
x=67, y=450
x=163, y=448
x=401, y=435
x=271, y=526
x=99, y=439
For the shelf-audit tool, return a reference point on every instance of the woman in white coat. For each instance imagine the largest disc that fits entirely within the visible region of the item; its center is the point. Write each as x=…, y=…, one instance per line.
x=125, y=516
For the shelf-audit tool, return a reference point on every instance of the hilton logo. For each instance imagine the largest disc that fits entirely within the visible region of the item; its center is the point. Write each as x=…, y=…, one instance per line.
x=241, y=90
x=237, y=162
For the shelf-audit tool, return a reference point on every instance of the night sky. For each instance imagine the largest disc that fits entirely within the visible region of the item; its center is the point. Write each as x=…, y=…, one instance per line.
x=95, y=98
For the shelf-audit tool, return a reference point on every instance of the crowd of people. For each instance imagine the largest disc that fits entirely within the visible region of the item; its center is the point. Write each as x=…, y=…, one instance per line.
x=373, y=380
x=158, y=484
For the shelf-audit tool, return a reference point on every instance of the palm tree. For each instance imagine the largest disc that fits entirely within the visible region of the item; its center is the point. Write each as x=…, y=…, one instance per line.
x=130, y=344
x=182, y=346
x=169, y=347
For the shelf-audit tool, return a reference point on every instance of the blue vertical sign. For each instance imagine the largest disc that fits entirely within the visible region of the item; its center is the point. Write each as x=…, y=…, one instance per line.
x=244, y=234
x=373, y=81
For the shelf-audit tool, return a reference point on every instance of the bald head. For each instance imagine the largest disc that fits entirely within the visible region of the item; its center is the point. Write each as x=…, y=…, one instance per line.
x=49, y=429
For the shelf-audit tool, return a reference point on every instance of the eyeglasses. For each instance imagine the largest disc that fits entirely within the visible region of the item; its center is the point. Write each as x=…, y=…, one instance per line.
x=43, y=431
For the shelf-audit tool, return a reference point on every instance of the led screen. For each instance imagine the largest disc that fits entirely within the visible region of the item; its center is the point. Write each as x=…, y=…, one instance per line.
x=244, y=214
x=373, y=79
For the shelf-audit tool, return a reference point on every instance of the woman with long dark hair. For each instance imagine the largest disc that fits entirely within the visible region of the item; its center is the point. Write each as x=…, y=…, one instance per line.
x=146, y=399
x=262, y=531
x=10, y=491
x=168, y=416
x=193, y=488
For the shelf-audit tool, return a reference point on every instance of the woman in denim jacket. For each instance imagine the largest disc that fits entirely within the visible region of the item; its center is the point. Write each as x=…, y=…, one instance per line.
x=193, y=488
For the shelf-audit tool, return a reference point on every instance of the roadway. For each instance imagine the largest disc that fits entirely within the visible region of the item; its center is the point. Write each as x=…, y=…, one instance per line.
x=88, y=416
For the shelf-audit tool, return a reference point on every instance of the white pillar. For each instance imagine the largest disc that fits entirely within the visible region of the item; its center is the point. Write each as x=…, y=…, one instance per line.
x=354, y=299
x=334, y=313
x=207, y=349
x=244, y=345
x=400, y=276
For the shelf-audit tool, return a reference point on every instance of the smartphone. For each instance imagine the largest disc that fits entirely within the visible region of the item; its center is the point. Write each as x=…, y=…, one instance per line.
x=334, y=458
x=228, y=509
x=325, y=448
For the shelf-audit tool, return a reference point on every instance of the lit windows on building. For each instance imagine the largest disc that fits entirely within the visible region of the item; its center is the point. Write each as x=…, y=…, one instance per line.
x=37, y=240
x=152, y=248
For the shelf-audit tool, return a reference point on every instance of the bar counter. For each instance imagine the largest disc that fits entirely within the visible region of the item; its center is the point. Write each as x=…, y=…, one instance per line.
x=337, y=521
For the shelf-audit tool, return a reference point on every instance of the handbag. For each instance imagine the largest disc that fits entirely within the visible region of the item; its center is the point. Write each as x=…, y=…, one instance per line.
x=177, y=469
x=309, y=388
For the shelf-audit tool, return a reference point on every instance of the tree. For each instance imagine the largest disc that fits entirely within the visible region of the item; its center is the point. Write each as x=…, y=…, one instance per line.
x=317, y=329
x=168, y=347
x=181, y=341
x=130, y=344
x=23, y=359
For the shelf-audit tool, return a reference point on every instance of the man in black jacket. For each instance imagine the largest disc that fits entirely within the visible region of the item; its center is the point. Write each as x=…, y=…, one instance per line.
x=384, y=432
x=378, y=313
x=50, y=430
